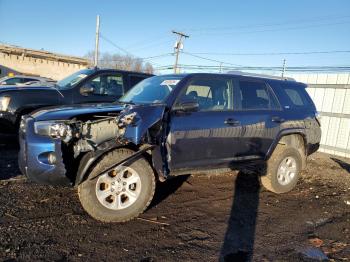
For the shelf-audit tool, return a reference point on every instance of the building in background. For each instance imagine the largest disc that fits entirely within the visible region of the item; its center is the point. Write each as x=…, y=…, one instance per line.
x=17, y=60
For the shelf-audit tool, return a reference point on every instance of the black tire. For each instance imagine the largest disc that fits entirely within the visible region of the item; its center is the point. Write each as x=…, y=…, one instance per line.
x=87, y=189
x=270, y=179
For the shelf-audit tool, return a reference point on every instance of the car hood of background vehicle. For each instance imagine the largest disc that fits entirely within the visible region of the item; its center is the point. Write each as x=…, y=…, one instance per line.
x=69, y=112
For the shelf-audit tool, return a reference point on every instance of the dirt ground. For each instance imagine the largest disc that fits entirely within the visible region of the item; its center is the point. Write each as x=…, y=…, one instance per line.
x=199, y=218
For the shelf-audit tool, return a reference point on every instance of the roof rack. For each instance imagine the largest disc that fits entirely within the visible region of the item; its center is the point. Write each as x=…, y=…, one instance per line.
x=240, y=73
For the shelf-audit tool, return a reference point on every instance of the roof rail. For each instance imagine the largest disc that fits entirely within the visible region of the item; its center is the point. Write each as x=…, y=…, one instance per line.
x=240, y=73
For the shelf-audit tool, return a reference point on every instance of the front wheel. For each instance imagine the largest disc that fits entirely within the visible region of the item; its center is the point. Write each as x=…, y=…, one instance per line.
x=121, y=194
x=283, y=169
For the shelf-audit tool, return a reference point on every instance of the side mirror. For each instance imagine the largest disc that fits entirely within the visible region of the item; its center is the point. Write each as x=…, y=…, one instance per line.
x=86, y=90
x=187, y=106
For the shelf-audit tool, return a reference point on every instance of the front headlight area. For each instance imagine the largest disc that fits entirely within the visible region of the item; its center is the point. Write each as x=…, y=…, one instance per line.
x=54, y=129
x=4, y=103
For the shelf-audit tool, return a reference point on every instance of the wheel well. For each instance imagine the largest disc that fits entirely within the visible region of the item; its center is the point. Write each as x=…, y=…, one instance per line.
x=298, y=142
x=83, y=174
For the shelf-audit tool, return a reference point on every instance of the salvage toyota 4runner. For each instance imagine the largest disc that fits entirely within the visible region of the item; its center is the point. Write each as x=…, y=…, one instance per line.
x=167, y=126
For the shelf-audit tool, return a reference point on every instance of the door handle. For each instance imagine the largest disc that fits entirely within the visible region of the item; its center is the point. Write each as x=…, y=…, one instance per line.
x=277, y=119
x=231, y=122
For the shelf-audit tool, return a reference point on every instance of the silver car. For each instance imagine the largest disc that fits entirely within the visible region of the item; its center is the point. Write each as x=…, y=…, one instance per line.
x=23, y=80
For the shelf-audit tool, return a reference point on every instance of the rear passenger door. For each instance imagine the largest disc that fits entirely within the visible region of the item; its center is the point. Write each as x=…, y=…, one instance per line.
x=259, y=115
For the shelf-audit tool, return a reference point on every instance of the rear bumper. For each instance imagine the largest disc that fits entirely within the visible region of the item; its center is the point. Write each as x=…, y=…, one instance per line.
x=32, y=158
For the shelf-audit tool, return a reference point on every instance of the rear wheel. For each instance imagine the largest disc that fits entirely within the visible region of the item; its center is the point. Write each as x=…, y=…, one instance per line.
x=283, y=169
x=121, y=194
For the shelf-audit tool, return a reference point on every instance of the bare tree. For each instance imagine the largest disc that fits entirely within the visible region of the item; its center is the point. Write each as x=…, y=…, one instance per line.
x=123, y=62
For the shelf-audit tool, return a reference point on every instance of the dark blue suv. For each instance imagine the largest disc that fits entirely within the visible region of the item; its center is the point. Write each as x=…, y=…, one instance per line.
x=167, y=126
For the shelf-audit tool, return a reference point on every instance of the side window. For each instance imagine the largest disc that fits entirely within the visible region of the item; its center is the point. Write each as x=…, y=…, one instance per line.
x=255, y=95
x=96, y=85
x=296, y=95
x=13, y=81
x=111, y=85
x=114, y=85
x=25, y=80
x=211, y=94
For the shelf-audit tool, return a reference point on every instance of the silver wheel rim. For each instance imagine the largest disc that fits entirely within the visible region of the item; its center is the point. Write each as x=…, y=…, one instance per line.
x=118, y=189
x=287, y=170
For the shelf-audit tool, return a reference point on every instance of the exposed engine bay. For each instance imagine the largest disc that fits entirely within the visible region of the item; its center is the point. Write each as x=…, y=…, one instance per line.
x=86, y=136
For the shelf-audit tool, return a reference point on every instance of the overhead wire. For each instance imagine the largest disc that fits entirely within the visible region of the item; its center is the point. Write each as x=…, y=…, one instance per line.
x=114, y=44
x=273, y=53
x=265, y=68
x=208, y=59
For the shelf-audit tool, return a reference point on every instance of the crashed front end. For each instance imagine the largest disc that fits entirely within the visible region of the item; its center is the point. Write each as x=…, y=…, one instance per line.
x=56, y=151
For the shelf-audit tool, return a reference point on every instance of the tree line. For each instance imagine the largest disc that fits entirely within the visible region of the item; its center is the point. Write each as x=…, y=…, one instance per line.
x=122, y=62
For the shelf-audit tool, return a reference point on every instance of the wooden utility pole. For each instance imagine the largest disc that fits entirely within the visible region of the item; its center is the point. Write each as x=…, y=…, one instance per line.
x=97, y=39
x=178, y=46
x=284, y=68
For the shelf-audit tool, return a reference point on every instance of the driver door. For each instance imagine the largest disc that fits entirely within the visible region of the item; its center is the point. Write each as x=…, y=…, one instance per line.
x=205, y=137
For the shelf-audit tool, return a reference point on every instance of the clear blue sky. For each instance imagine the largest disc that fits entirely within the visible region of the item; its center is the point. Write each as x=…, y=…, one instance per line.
x=144, y=28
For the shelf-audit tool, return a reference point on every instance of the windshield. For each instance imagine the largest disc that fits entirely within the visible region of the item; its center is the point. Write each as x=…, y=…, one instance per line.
x=151, y=90
x=71, y=80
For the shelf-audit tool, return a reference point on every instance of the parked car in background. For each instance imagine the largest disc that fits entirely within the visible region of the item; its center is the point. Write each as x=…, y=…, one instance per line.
x=25, y=80
x=85, y=86
x=167, y=126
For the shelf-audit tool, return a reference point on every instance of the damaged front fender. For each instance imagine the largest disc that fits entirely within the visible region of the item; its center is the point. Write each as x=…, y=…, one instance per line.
x=136, y=125
x=146, y=124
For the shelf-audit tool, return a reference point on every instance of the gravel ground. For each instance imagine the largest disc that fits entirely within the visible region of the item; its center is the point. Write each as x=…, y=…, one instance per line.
x=201, y=218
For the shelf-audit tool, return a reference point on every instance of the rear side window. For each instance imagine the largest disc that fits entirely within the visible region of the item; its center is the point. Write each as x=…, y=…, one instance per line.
x=255, y=95
x=25, y=80
x=296, y=95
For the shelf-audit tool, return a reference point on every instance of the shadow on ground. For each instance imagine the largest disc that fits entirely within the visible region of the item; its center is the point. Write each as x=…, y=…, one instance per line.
x=342, y=164
x=167, y=188
x=8, y=157
x=239, y=238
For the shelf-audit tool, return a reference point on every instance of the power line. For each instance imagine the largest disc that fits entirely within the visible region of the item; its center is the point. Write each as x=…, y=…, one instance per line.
x=128, y=53
x=209, y=59
x=150, y=46
x=265, y=68
x=277, y=53
x=157, y=56
x=141, y=58
x=114, y=44
x=155, y=38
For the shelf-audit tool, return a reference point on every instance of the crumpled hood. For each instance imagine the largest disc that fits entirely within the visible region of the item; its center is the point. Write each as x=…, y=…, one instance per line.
x=71, y=111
